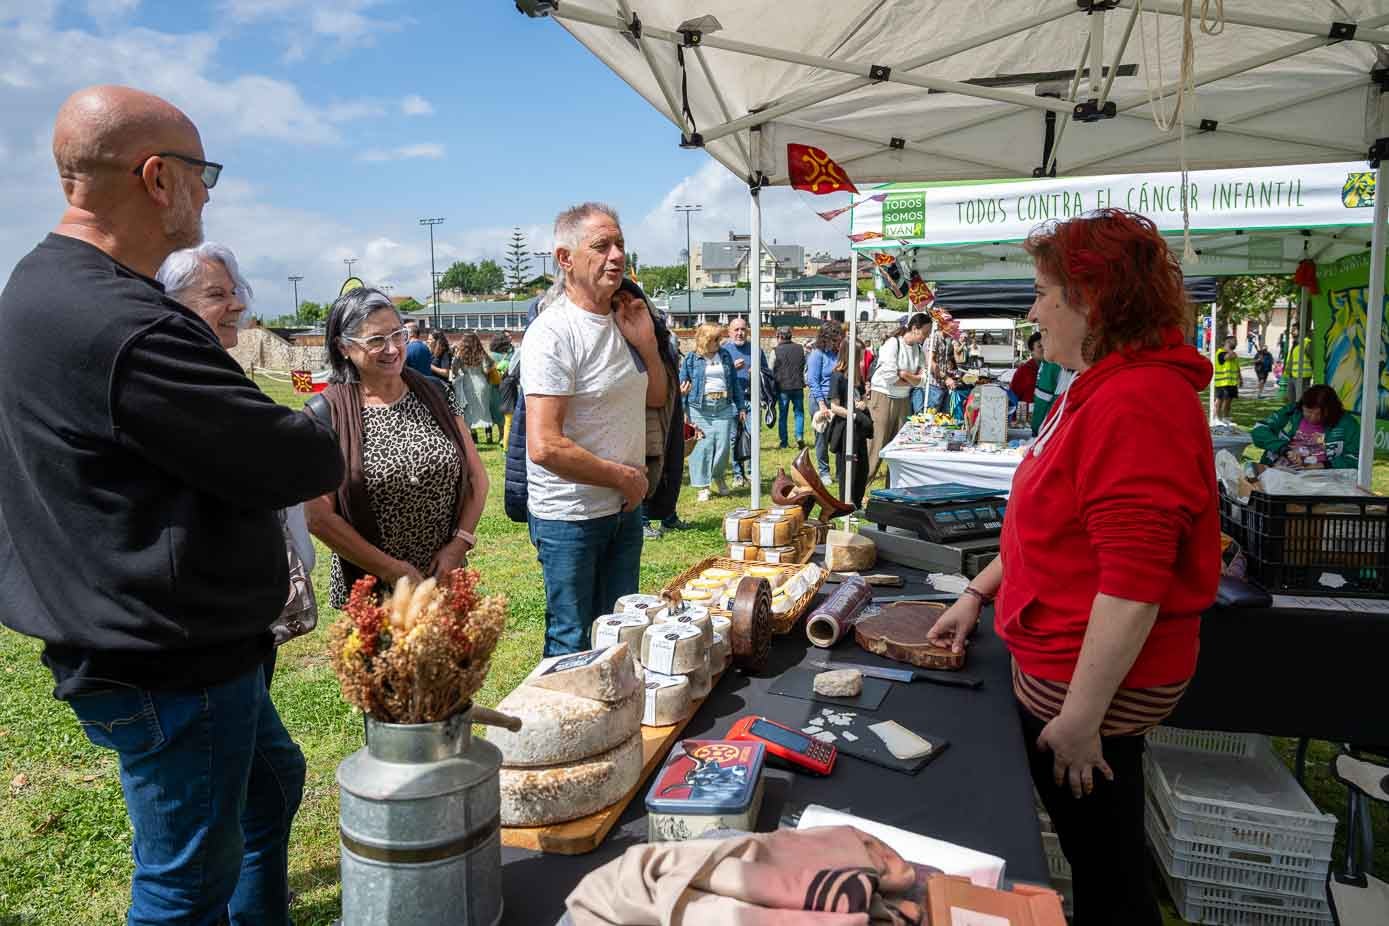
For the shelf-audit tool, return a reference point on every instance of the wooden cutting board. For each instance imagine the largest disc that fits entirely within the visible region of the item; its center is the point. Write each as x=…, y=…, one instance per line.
x=898, y=631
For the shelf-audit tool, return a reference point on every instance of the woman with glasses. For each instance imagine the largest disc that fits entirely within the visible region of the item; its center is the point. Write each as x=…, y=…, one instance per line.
x=415, y=485
x=471, y=368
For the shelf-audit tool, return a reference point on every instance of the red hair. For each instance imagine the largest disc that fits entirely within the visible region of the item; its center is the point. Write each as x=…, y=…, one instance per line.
x=1115, y=265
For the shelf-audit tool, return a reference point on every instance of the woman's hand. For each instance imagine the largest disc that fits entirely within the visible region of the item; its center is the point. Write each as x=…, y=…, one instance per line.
x=685, y=387
x=1076, y=753
x=400, y=569
x=451, y=556
x=952, y=629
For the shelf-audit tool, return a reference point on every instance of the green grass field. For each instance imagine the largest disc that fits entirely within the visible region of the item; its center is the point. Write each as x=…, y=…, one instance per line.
x=64, y=837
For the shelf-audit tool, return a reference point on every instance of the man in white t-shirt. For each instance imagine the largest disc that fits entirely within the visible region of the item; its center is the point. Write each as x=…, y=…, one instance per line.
x=583, y=371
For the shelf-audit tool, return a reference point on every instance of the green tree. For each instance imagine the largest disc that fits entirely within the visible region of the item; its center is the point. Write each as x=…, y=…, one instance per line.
x=1250, y=299
x=411, y=305
x=658, y=279
x=490, y=278
x=311, y=313
x=517, y=260
x=461, y=275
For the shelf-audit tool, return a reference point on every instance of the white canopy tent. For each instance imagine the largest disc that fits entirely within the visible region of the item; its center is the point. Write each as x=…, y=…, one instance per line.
x=941, y=90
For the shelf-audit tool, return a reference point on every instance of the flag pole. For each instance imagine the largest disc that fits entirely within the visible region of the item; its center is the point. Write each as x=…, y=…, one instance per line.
x=1374, y=325
x=754, y=422
x=846, y=491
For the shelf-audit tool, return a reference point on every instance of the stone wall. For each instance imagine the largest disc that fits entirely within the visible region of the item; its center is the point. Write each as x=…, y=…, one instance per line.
x=266, y=350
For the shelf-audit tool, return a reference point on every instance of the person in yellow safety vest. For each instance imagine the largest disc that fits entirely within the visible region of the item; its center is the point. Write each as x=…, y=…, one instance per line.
x=1227, y=379
x=1299, y=365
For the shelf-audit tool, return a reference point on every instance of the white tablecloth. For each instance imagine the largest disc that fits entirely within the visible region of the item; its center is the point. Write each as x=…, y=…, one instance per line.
x=916, y=466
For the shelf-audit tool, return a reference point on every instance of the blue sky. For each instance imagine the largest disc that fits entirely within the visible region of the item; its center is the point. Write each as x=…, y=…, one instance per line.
x=341, y=124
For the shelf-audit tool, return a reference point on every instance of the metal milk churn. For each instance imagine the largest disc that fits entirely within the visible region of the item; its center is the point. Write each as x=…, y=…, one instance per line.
x=420, y=842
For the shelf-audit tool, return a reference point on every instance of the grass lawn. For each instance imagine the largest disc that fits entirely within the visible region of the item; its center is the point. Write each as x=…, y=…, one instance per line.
x=64, y=837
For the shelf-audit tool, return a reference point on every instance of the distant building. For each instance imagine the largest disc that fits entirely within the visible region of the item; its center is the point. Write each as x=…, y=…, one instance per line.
x=508, y=315
x=839, y=268
x=811, y=294
x=725, y=263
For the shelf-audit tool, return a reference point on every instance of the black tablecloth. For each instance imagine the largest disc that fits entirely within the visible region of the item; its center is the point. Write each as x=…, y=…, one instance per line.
x=977, y=794
x=1287, y=672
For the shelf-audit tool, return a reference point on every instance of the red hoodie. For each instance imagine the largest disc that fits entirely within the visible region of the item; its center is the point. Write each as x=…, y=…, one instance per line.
x=1117, y=496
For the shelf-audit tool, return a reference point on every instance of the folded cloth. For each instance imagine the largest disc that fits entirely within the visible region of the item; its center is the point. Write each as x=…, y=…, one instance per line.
x=831, y=876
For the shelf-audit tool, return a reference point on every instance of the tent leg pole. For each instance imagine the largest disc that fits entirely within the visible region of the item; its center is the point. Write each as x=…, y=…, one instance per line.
x=1374, y=326
x=1302, y=382
x=846, y=491
x=1288, y=354
x=754, y=422
x=1215, y=317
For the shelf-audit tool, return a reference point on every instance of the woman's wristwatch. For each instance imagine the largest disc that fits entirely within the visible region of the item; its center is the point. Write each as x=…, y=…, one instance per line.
x=975, y=593
x=470, y=538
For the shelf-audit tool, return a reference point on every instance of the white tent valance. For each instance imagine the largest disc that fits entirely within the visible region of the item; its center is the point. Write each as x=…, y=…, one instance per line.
x=1243, y=220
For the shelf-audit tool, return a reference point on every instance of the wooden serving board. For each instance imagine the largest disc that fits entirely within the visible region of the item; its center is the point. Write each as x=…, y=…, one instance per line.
x=575, y=837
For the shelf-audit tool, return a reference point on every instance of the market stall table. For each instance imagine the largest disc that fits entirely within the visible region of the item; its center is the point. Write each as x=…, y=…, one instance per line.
x=978, y=793
x=909, y=465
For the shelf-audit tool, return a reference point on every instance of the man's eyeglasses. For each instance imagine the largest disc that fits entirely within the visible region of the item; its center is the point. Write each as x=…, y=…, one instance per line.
x=211, y=169
x=377, y=342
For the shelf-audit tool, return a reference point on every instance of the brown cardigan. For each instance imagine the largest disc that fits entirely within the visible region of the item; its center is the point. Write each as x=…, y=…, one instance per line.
x=345, y=402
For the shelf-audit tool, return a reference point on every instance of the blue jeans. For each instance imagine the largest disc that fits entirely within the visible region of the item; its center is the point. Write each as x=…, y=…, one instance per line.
x=587, y=566
x=918, y=399
x=795, y=399
x=822, y=453
x=211, y=781
x=719, y=422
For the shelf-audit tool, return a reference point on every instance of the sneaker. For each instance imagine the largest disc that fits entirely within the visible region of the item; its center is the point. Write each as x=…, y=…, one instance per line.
x=703, y=495
x=719, y=488
x=800, y=444
x=738, y=483
x=651, y=531
x=675, y=524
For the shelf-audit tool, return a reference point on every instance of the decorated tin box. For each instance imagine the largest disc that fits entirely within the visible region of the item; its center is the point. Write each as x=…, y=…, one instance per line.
x=706, y=785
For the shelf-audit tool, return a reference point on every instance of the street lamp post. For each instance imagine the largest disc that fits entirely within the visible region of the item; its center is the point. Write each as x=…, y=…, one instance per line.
x=295, y=280
x=544, y=258
x=349, y=261
x=689, y=256
x=433, y=275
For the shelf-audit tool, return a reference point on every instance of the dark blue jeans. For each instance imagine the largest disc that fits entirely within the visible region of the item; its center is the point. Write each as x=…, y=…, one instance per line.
x=212, y=781
x=587, y=566
x=795, y=399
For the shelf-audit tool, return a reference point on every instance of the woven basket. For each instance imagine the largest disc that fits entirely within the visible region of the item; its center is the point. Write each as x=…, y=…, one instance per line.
x=781, y=623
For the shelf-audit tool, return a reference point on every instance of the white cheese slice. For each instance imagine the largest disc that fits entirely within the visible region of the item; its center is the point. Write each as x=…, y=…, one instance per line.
x=558, y=727
x=673, y=649
x=901, y=742
x=539, y=796
x=619, y=628
x=606, y=674
x=666, y=700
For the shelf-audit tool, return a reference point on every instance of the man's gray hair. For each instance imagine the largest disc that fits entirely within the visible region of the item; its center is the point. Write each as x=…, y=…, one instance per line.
x=568, y=225
x=181, y=270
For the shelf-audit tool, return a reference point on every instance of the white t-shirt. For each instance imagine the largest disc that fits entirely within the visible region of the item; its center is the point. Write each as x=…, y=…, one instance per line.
x=714, y=380
x=568, y=351
x=894, y=356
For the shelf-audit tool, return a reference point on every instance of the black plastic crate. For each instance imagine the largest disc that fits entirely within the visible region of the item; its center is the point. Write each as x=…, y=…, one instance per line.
x=1325, y=546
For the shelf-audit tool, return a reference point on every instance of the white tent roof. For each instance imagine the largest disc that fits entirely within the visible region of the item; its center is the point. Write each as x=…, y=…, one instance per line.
x=963, y=77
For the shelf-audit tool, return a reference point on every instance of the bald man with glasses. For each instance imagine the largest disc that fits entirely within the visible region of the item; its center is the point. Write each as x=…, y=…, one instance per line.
x=138, y=516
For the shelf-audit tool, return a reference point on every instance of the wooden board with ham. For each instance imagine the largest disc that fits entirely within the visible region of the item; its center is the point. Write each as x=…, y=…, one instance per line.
x=898, y=631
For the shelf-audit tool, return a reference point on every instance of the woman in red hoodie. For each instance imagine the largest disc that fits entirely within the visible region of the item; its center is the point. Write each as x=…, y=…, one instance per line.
x=1110, y=547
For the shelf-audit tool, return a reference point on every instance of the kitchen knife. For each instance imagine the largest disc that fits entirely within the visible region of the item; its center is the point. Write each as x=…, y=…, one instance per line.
x=907, y=675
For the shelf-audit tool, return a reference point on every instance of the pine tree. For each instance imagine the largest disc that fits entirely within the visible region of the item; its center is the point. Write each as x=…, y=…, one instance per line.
x=517, y=260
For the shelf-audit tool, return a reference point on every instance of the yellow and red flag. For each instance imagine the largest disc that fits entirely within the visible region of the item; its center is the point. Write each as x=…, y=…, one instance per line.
x=814, y=171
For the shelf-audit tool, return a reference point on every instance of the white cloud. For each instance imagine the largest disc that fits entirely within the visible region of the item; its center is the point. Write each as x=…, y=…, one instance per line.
x=343, y=26
x=109, y=10
x=416, y=105
x=431, y=150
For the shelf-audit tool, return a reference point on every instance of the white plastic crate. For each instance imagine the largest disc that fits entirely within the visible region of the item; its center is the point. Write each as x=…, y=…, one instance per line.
x=1214, y=741
x=1264, y=879
x=1249, y=800
x=1205, y=903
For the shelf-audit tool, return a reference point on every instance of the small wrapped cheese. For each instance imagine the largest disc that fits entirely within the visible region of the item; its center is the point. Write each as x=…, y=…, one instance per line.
x=673, y=649
x=697, y=596
x=701, y=680
x=668, y=699
x=781, y=555
x=611, y=629
x=848, y=552
x=721, y=624
x=638, y=604
x=774, y=531
x=743, y=552
x=775, y=577
x=606, y=674
x=793, y=513
x=738, y=523
x=718, y=654
x=719, y=574
x=694, y=617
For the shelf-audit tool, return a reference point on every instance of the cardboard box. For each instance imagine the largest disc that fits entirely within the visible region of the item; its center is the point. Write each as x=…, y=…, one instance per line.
x=954, y=901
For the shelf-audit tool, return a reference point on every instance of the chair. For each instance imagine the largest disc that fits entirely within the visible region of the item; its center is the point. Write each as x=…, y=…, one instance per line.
x=1358, y=898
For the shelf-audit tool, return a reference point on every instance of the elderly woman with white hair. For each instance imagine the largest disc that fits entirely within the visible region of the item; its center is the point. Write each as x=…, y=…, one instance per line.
x=207, y=280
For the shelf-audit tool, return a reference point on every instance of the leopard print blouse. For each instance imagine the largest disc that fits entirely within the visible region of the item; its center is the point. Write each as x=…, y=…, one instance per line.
x=412, y=470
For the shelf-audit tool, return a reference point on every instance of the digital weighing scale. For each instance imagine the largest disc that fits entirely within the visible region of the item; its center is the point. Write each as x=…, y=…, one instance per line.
x=947, y=527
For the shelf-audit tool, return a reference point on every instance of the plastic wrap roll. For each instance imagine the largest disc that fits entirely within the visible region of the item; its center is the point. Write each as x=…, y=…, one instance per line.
x=837, y=616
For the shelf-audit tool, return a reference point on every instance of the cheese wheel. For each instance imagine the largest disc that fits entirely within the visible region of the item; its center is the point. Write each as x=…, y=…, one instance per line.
x=718, y=654
x=701, y=680
x=775, y=577
x=698, y=596
x=638, y=604
x=793, y=513
x=557, y=728
x=773, y=531
x=673, y=649
x=606, y=674
x=718, y=572
x=737, y=524
x=721, y=624
x=743, y=552
x=694, y=617
x=781, y=603
x=784, y=555
x=611, y=629
x=707, y=582
x=668, y=699
x=539, y=796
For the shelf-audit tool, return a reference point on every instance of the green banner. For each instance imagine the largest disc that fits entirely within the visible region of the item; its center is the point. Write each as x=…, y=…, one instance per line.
x=904, y=215
x=1338, y=318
